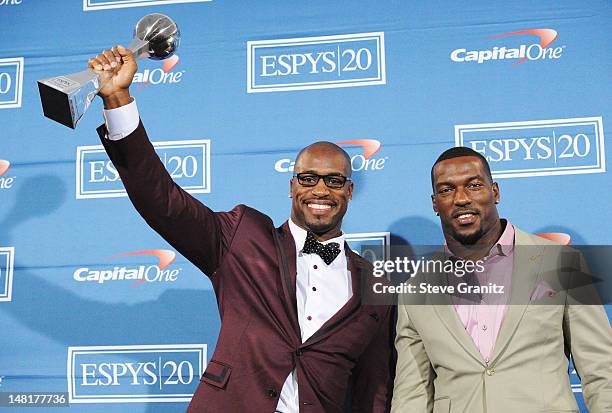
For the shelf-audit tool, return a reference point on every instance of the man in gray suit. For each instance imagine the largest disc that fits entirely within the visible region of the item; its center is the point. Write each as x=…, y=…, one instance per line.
x=512, y=356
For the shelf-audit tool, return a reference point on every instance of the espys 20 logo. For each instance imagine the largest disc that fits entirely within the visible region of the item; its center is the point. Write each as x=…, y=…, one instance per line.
x=187, y=162
x=93, y=5
x=135, y=274
x=316, y=62
x=362, y=161
x=543, y=50
x=7, y=255
x=134, y=374
x=11, y=82
x=538, y=148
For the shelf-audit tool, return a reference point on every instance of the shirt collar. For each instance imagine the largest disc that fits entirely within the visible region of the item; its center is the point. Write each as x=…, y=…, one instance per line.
x=299, y=236
x=504, y=245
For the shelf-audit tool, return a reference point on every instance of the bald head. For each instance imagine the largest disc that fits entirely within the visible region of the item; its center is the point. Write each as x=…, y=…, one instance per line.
x=322, y=151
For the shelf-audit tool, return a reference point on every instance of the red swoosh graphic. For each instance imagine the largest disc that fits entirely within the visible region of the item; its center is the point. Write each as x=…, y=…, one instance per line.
x=547, y=36
x=166, y=257
x=169, y=63
x=4, y=166
x=557, y=237
x=370, y=146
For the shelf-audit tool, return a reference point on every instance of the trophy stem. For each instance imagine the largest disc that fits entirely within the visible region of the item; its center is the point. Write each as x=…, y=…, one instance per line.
x=139, y=47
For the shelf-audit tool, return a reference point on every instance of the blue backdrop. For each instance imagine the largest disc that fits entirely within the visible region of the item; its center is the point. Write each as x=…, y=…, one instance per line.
x=94, y=303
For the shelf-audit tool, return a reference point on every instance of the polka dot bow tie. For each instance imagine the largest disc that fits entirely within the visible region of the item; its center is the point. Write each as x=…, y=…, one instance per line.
x=327, y=252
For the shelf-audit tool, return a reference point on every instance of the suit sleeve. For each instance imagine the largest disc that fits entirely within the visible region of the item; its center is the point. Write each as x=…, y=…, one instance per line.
x=589, y=336
x=373, y=383
x=198, y=233
x=413, y=387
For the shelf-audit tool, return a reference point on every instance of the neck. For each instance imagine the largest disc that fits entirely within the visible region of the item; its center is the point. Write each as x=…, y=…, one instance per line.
x=480, y=248
x=320, y=236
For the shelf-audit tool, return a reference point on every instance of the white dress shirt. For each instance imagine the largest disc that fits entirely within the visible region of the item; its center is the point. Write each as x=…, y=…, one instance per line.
x=321, y=289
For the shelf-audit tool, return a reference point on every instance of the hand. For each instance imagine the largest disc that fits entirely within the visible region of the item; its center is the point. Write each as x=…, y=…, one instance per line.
x=116, y=68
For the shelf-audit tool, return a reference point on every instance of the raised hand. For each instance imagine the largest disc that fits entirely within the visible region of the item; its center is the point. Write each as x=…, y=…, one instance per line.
x=116, y=68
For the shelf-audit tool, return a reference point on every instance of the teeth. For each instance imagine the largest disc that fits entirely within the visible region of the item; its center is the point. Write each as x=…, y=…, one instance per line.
x=464, y=216
x=319, y=206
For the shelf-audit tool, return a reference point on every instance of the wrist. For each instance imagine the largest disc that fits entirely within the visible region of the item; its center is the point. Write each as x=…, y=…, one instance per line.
x=117, y=99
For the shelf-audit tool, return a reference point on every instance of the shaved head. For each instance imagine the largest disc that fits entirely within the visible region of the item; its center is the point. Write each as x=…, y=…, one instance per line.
x=324, y=149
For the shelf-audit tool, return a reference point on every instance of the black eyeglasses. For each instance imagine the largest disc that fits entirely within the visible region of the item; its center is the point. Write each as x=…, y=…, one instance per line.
x=331, y=181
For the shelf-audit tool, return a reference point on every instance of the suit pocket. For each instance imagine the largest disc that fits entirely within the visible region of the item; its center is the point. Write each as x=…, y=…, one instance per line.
x=217, y=374
x=442, y=405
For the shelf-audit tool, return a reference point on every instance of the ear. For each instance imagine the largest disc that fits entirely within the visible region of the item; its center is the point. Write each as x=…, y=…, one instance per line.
x=291, y=183
x=434, y=205
x=349, y=190
x=496, y=193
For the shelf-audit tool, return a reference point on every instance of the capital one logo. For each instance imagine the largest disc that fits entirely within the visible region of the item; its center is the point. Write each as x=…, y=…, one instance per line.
x=140, y=373
x=134, y=275
x=316, y=62
x=187, y=162
x=93, y=5
x=373, y=246
x=161, y=75
x=542, y=50
x=364, y=160
x=538, y=148
x=6, y=181
x=11, y=82
x=7, y=255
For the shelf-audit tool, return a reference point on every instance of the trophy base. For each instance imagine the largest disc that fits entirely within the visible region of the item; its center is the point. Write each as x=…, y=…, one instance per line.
x=66, y=98
x=56, y=105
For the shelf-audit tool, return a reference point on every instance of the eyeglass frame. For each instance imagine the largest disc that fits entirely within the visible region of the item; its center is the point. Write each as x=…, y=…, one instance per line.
x=319, y=177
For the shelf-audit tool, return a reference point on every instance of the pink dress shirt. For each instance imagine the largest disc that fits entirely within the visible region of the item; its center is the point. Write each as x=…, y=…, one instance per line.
x=483, y=321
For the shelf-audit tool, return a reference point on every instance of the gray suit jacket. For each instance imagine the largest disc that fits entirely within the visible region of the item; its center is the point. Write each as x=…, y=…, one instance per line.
x=440, y=369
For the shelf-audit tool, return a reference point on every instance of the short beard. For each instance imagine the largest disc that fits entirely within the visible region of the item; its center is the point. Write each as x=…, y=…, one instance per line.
x=319, y=228
x=469, y=239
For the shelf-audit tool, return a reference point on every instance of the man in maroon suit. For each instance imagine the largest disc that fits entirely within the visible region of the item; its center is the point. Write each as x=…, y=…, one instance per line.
x=295, y=336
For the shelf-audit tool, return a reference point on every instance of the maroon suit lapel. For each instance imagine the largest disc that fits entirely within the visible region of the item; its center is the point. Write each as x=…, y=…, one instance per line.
x=288, y=263
x=351, y=305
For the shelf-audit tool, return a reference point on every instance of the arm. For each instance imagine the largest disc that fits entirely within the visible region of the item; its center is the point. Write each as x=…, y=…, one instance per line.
x=373, y=383
x=189, y=226
x=413, y=389
x=588, y=333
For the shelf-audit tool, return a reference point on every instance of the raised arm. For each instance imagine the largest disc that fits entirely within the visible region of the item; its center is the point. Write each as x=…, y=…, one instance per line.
x=199, y=234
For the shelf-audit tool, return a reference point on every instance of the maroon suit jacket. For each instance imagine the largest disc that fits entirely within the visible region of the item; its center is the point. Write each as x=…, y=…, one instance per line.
x=345, y=366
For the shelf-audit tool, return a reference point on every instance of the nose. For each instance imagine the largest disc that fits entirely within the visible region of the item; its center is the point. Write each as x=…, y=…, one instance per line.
x=320, y=189
x=461, y=197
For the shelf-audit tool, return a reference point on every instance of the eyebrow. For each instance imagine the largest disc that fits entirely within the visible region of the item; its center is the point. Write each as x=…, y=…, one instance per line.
x=471, y=178
x=316, y=173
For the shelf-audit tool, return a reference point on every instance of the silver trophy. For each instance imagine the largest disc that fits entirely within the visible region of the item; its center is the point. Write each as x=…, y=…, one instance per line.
x=66, y=98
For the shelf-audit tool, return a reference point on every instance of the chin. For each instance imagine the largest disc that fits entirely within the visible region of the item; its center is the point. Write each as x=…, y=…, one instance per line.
x=469, y=238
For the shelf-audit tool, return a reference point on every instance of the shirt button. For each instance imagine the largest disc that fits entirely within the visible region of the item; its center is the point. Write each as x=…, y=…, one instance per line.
x=309, y=318
x=484, y=327
x=314, y=288
x=315, y=267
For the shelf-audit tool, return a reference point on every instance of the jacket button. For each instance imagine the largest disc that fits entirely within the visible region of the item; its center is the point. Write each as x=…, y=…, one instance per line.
x=299, y=352
x=272, y=393
x=490, y=372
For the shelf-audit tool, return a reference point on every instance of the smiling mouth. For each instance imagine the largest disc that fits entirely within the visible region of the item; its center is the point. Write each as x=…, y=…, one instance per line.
x=319, y=208
x=466, y=218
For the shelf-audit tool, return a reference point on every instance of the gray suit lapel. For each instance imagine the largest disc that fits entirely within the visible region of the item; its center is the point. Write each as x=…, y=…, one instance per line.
x=444, y=308
x=525, y=273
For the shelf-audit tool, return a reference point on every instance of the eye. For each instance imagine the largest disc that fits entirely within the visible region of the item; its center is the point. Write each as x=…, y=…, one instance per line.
x=309, y=179
x=445, y=190
x=474, y=185
x=335, y=181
